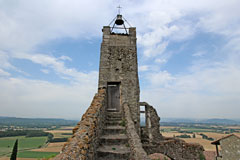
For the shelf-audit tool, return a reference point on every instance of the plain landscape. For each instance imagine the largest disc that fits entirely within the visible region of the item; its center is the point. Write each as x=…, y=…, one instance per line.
x=44, y=138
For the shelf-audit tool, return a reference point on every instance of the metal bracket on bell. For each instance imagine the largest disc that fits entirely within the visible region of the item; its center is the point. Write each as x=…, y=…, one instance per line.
x=119, y=23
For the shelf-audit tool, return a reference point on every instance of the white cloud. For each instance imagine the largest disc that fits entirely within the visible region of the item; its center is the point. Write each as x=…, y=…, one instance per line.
x=35, y=98
x=160, y=61
x=143, y=68
x=65, y=58
x=4, y=73
x=58, y=66
x=162, y=78
x=199, y=54
x=210, y=87
x=155, y=50
x=4, y=61
x=233, y=47
x=161, y=22
x=222, y=18
x=45, y=71
x=47, y=99
x=25, y=25
x=203, y=93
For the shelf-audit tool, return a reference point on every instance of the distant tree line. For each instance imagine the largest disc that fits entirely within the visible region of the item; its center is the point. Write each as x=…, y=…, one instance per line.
x=26, y=133
x=35, y=122
x=32, y=133
x=184, y=136
x=206, y=137
x=207, y=127
x=51, y=139
x=54, y=140
x=66, y=133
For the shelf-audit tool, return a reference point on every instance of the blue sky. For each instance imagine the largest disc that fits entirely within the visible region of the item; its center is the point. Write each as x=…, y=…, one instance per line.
x=188, y=55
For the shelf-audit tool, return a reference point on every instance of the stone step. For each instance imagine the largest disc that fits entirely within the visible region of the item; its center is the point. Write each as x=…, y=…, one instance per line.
x=114, y=113
x=112, y=110
x=114, y=130
x=113, y=152
x=114, y=116
x=108, y=123
x=114, y=139
x=113, y=119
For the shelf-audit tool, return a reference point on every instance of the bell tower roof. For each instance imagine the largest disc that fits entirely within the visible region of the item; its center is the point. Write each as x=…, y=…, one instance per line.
x=118, y=23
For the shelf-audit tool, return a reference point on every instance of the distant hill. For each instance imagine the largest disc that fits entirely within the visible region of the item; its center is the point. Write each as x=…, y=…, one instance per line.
x=220, y=121
x=180, y=120
x=203, y=121
x=35, y=122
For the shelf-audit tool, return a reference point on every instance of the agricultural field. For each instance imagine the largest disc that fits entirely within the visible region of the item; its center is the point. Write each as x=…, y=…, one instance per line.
x=32, y=154
x=211, y=132
x=61, y=133
x=6, y=144
x=34, y=148
x=51, y=147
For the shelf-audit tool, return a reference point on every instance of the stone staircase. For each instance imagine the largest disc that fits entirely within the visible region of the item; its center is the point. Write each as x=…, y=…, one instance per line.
x=114, y=142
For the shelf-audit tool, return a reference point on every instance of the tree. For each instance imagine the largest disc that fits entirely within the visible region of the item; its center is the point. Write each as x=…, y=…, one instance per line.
x=194, y=136
x=14, y=151
x=50, y=137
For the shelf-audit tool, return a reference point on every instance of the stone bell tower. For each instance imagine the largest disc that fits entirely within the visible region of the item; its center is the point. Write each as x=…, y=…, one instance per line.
x=118, y=71
x=110, y=127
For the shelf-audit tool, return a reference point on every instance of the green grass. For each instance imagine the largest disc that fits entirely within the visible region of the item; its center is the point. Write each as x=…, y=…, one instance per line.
x=197, y=130
x=167, y=129
x=6, y=144
x=60, y=135
x=33, y=154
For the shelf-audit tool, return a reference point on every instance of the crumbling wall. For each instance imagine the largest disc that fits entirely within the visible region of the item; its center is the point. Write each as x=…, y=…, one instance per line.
x=154, y=142
x=137, y=151
x=175, y=149
x=85, y=140
x=151, y=130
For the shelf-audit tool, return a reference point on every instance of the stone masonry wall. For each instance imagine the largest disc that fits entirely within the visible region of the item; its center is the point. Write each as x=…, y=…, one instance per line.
x=154, y=142
x=137, y=151
x=151, y=130
x=83, y=144
x=118, y=63
x=230, y=148
x=175, y=149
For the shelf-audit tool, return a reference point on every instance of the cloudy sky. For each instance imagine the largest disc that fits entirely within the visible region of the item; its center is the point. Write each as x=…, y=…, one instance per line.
x=188, y=55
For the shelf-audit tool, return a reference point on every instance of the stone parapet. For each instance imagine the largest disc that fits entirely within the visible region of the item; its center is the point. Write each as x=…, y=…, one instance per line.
x=85, y=139
x=137, y=151
x=175, y=149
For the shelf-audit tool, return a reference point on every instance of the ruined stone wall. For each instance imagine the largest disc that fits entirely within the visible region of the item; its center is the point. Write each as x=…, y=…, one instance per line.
x=118, y=63
x=175, y=149
x=137, y=151
x=86, y=134
x=230, y=148
x=154, y=142
x=151, y=131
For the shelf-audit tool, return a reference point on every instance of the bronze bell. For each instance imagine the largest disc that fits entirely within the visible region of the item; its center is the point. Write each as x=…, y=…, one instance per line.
x=119, y=20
